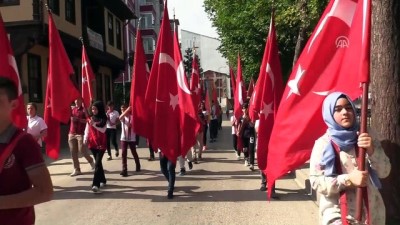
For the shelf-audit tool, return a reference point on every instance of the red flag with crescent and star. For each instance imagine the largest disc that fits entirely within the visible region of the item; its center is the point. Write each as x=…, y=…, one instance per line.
x=330, y=61
x=195, y=81
x=9, y=69
x=60, y=92
x=240, y=91
x=233, y=80
x=169, y=98
x=270, y=95
x=87, y=79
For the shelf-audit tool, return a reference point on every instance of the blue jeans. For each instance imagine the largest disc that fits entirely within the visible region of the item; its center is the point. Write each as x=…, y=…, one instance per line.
x=168, y=169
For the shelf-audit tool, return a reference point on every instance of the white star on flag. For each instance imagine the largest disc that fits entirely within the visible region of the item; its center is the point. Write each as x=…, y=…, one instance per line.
x=294, y=84
x=174, y=100
x=84, y=80
x=267, y=109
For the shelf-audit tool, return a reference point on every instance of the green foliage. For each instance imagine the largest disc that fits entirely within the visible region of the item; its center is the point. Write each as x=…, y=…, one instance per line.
x=187, y=62
x=243, y=27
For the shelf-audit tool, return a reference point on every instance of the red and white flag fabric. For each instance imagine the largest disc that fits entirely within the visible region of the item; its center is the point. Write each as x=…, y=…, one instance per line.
x=330, y=61
x=195, y=81
x=250, y=88
x=240, y=91
x=173, y=117
x=272, y=89
x=87, y=79
x=138, y=89
x=9, y=69
x=60, y=92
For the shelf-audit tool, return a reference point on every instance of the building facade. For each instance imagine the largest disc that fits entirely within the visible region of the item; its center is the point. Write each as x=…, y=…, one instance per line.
x=98, y=22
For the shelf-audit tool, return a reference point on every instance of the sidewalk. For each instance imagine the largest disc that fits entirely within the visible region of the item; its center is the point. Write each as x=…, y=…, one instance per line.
x=219, y=190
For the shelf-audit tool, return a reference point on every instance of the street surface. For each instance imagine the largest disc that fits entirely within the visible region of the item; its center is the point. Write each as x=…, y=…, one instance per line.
x=219, y=190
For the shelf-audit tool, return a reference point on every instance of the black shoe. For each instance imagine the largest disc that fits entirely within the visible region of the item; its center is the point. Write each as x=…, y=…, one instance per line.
x=138, y=169
x=263, y=188
x=151, y=159
x=183, y=172
x=116, y=153
x=170, y=195
x=190, y=165
x=124, y=173
x=109, y=158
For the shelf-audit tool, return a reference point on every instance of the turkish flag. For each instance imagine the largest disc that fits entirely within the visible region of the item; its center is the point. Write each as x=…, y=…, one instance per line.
x=171, y=108
x=250, y=89
x=9, y=69
x=270, y=94
x=195, y=81
x=138, y=89
x=233, y=80
x=330, y=61
x=240, y=92
x=189, y=123
x=60, y=92
x=87, y=79
x=207, y=103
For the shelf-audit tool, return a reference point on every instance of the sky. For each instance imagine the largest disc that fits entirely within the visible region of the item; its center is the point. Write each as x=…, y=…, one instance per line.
x=191, y=16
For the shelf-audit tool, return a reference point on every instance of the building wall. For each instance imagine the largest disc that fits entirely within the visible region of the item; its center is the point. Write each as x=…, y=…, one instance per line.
x=23, y=10
x=210, y=58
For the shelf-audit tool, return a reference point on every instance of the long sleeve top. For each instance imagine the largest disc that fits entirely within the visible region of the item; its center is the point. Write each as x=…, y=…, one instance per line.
x=329, y=188
x=95, y=136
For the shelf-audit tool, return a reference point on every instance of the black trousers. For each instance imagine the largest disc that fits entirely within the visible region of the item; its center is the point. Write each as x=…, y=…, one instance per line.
x=250, y=144
x=111, y=137
x=264, y=181
x=234, y=140
x=205, y=134
x=99, y=176
x=168, y=169
x=213, y=128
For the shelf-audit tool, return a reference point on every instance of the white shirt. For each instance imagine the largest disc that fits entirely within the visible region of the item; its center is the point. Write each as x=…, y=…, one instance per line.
x=127, y=134
x=36, y=125
x=233, y=119
x=114, y=115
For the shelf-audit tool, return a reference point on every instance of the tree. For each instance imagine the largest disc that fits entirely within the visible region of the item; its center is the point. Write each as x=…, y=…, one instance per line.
x=187, y=62
x=385, y=91
x=243, y=26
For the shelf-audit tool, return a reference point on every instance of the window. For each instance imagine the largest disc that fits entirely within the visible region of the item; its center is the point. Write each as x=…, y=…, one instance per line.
x=9, y=2
x=99, y=87
x=70, y=11
x=119, y=35
x=149, y=44
x=110, y=29
x=146, y=20
x=54, y=5
x=34, y=78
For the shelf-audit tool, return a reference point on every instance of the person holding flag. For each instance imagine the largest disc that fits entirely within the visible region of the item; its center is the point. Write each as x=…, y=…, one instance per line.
x=24, y=178
x=334, y=173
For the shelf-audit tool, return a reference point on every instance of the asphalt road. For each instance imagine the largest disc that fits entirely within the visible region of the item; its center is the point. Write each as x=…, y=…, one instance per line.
x=219, y=190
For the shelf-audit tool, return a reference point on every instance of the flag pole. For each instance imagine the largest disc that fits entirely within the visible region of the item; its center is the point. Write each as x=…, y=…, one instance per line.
x=362, y=151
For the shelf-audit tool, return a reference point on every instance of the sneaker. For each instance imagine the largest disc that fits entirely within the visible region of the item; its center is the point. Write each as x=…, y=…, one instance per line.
x=251, y=167
x=92, y=165
x=246, y=163
x=124, y=173
x=96, y=190
x=151, y=159
x=170, y=195
x=116, y=153
x=190, y=165
x=109, y=158
x=263, y=188
x=102, y=185
x=76, y=173
x=237, y=156
x=204, y=148
x=182, y=172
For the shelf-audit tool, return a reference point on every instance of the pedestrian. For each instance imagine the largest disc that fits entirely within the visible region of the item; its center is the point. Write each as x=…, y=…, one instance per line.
x=128, y=138
x=36, y=125
x=24, y=178
x=247, y=134
x=334, y=173
x=111, y=132
x=168, y=170
x=234, y=124
x=213, y=123
x=151, y=151
x=95, y=137
x=76, y=132
x=205, y=125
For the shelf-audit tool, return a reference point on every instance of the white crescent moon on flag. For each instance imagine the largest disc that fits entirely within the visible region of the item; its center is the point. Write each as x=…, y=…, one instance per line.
x=180, y=71
x=271, y=75
x=13, y=64
x=341, y=9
